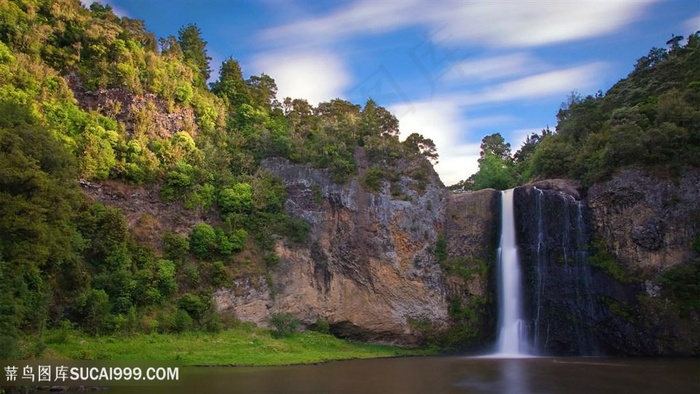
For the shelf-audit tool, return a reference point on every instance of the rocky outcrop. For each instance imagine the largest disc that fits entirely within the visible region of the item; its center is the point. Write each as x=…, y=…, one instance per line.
x=646, y=222
x=147, y=217
x=472, y=232
x=155, y=116
x=554, y=241
x=595, y=260
x=368, y=268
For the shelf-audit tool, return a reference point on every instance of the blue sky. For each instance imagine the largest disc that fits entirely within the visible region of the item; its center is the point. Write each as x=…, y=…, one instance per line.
x=453, y=71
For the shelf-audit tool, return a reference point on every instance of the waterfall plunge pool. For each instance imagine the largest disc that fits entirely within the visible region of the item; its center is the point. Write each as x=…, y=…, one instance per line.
x=427, y=375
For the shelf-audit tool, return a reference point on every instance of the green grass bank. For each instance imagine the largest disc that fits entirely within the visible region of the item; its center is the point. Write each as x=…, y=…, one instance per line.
x=240, y=346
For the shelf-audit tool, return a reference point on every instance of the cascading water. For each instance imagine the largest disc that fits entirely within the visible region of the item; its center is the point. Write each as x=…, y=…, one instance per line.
x=511, y=338
x=559, y=305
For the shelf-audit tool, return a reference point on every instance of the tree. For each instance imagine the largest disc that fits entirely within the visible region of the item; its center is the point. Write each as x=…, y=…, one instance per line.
x=170, y=47
x=202, y=240
x=194, y=50
x=236, y=199
x=495, y=145
x=231, y=84
x=494, y=172
x=496, y=166
x=424, y=146
x=263, y=91
x=376, y=120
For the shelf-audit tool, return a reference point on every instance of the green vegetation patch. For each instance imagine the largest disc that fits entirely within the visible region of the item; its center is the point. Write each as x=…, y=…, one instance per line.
x=243, y=345
x=682, y=284
x=602, y=259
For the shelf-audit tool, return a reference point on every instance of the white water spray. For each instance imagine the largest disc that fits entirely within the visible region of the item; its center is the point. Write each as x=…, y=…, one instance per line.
x=511, y=338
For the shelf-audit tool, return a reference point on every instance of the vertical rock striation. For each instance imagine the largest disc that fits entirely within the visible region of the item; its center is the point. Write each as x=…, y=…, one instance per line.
x=369, y=267
x=554, y=241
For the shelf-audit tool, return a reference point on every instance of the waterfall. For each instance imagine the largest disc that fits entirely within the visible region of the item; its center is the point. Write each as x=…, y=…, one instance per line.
x=539, y=267
x=511, y=338
x=559, y=301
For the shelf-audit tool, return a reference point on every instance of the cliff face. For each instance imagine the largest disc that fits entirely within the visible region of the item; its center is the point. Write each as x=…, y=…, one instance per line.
x=597, y=264
x=648, y=225
x=559, y=292
x=369, y=267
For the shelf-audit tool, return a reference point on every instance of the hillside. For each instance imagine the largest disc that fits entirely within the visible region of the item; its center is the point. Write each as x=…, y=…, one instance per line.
x=129, y=189
x=135, y=198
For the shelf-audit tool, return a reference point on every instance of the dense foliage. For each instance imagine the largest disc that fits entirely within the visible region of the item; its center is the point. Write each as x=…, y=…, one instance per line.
x=651, y=119
x=66, y=260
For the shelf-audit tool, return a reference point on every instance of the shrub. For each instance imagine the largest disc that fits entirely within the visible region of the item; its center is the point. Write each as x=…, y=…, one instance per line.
x=322, y=325
x=182, y=321
x=202, y=240
x=193, y=305
x=373, y=179
x=175, y=247
x=283, y=324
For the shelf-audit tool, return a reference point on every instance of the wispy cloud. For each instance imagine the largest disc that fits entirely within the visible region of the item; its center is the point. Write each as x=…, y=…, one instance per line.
x=360, y=17
x=519, y=24
x=534, y=23
x=541, y=85
x=491, y=68
x=691, y=25
x=316, y=76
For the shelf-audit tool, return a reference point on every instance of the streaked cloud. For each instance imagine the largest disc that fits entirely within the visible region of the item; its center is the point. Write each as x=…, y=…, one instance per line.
x=533, y=23
x=517, y=24
x=316, y=76
x=551, y=83
x=491, y=68
x=360, y=17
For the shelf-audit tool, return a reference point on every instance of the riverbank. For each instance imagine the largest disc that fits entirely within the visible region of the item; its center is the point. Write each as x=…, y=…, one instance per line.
x=240, y=346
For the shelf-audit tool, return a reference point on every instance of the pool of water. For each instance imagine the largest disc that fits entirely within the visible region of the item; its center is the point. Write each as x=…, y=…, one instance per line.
x=446, y=375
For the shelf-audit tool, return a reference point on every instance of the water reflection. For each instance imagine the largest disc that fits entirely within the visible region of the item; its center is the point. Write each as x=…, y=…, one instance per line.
x=510, y=377
x=447, y=375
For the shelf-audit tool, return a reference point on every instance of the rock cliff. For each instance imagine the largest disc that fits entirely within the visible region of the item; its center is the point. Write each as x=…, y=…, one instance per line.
x=610, y=270
x=369, y=267
x=646, y=227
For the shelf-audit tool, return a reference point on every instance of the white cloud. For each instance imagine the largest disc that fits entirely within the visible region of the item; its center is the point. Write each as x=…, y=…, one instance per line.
x=691, y=25
x=441, y=121
x=491, y=68
x=541, y=85
x=360, y=17
x=510, y=24
x=316, y=76
x=534, y=23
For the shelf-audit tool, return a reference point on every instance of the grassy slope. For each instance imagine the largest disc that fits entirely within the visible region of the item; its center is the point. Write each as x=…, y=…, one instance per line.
x=238, y=346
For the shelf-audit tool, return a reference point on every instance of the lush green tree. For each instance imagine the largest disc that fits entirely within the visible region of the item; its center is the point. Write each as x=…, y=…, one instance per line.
x=495, y=145
x=236, y=199
x=194, y=51
x=416, y=143
x=263, y=91
x=232, y=86
x=175, y=247
x=202, y=240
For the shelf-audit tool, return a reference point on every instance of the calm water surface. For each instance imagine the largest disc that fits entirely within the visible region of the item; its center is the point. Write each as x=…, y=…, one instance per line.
x=446, y=375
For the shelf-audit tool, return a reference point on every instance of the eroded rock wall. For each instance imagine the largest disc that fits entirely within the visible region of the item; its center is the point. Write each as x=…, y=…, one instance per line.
x=368, y=268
